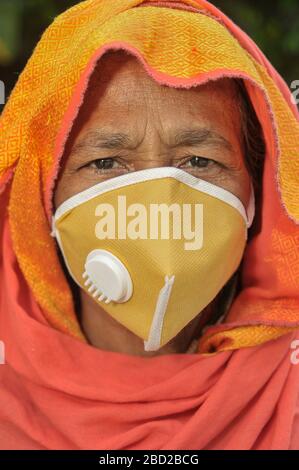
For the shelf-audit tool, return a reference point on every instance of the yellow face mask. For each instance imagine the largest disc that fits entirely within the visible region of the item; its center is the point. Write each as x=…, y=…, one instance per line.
x=153, y=247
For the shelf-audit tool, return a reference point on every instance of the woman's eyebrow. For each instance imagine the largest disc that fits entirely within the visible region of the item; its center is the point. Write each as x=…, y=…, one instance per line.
x=103, y=139
x=199, y=136
x=184, y=137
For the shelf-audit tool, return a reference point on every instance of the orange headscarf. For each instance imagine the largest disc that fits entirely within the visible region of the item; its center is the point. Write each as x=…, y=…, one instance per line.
x=61, y=393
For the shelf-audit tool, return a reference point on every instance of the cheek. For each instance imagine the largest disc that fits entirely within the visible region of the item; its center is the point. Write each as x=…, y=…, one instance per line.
x=66, y=186
x=240, y=187
x=59, y=194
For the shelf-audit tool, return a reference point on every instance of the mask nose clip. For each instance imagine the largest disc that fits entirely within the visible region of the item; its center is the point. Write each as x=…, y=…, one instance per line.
x=106, y=277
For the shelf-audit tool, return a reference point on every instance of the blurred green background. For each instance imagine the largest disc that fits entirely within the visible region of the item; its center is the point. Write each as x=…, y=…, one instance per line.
x=273, y=25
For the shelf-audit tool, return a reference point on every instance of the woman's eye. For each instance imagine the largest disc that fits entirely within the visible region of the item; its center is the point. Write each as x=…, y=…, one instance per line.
x=198, y=162
x=104, y=164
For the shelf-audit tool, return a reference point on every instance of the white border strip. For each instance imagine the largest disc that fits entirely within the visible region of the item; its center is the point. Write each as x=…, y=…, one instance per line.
x=158, y=173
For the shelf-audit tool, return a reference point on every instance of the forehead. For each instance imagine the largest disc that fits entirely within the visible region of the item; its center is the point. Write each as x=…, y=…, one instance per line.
x=123, y=97
x=120, y=76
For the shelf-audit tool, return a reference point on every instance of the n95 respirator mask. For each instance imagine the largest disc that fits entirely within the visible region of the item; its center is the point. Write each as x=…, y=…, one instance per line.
x=153, y=247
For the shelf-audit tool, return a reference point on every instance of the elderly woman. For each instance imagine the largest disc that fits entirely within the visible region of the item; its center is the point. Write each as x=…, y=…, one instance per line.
x=149, y=225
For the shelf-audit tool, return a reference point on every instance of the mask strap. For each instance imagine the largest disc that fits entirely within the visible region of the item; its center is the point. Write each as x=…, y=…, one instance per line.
x=251, y=207
x=154, y=339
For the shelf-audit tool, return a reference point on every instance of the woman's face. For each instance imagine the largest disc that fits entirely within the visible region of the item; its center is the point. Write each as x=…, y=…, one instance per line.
x=128, y=122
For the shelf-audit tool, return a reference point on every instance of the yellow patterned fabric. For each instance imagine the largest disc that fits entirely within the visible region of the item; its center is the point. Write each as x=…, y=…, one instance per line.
x=179, y=48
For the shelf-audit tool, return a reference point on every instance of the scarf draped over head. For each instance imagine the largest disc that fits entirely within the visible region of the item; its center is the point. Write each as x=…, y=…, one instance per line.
x=67, y=394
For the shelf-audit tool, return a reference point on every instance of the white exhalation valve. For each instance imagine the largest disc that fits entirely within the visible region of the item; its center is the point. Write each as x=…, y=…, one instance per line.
x=106, y=277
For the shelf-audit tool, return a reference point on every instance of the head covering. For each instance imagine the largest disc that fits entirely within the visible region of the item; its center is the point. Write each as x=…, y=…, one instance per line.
x=60, y=392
